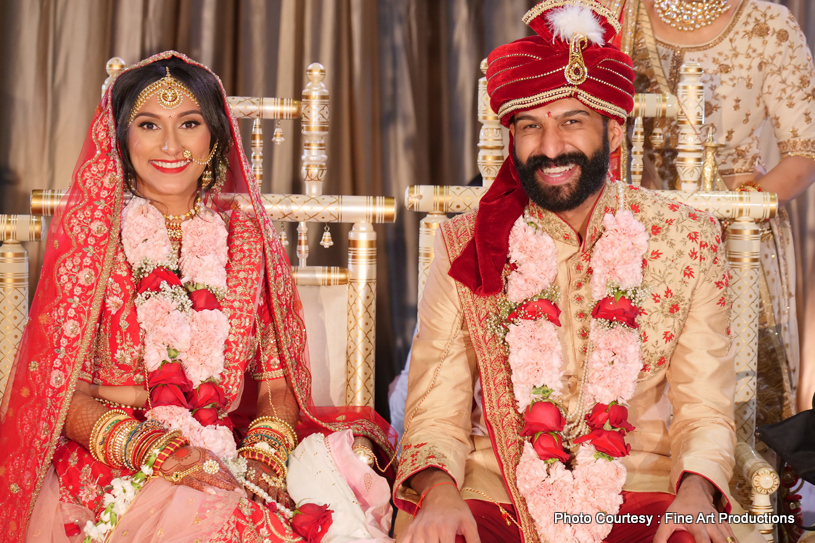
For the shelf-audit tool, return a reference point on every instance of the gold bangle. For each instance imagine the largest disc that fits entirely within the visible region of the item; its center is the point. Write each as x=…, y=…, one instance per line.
x=278, y=424
x=273, y=454
x=274, y=421
x=118, y=447
x=93, y=444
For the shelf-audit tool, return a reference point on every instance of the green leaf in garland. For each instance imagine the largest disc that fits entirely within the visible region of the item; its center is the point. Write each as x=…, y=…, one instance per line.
x=542, y=392
x=603, y=456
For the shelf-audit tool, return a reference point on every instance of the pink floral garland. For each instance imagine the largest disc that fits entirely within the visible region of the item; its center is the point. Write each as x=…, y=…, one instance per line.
x=529, y=320
x=183, y=327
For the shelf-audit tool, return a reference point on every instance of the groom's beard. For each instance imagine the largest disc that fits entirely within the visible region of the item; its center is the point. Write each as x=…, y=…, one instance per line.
x=557, y=198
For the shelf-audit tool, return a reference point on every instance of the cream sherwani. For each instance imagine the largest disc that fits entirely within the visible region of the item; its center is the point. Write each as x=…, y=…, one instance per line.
x=461, y=415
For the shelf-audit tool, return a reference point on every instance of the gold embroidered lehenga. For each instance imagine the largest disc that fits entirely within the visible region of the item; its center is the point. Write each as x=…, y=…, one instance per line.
x=758, y=74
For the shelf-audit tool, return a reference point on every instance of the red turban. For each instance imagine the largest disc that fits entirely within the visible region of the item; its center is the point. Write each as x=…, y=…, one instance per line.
x=571, y=56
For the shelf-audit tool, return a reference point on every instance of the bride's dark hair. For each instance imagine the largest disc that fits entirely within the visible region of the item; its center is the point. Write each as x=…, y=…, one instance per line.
x=200, y=82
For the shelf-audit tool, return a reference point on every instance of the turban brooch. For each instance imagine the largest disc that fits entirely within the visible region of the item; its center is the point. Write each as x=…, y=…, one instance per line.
x=570, y=56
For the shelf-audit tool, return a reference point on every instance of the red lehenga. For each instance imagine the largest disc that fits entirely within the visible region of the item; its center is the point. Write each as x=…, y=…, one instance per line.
x=83, y=327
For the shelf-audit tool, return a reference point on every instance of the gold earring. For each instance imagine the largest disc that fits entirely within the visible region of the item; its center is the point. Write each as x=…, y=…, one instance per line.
x=220, y=178
x=206, y=177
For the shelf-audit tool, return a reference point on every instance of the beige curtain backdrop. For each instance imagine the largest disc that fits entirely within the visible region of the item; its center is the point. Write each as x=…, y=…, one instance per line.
x=402, y=76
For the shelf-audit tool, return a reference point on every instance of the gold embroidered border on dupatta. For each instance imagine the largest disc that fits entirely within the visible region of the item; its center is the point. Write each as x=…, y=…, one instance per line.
x=243, y=275
x=500, y=414
x=103, y=135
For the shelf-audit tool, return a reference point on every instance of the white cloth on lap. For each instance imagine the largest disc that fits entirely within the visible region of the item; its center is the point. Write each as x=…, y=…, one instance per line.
x=326, y=471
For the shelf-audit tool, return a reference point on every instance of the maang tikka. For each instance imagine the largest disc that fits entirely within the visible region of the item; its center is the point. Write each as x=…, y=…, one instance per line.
x=170, y=91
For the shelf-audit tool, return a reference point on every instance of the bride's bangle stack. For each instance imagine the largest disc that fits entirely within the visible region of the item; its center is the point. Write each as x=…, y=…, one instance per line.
x=120, y=441
x=270, y=440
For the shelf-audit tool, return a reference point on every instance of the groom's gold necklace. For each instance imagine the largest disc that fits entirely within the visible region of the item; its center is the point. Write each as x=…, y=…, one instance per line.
x=688, y=16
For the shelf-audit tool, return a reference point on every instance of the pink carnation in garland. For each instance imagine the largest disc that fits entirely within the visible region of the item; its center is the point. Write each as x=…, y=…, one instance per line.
x=614, y=364
x=218, y=439
x=144, y=234
x=594, y=485
x=617, y=255
x=163, y=326
x=204, y=252
x=205, y=357
x=531, y=471
x=599, y=483
x=536, y=259
x=536, y=357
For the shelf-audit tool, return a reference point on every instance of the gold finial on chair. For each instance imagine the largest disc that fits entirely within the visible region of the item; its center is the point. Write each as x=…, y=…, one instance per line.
x=113, y=67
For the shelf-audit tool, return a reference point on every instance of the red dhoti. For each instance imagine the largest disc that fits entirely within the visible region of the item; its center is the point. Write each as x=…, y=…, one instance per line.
x=494, y=528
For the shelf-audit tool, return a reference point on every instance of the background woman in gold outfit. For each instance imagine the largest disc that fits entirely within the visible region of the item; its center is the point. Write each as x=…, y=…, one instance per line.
x=758, y=76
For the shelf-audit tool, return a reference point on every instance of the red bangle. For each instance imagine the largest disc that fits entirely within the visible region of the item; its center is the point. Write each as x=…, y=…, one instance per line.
x=168, y=450
x=421, y=499
x=266, y=460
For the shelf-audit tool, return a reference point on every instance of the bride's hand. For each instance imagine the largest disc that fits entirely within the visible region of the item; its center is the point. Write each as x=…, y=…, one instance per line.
x=198, y=468
x=261, y=475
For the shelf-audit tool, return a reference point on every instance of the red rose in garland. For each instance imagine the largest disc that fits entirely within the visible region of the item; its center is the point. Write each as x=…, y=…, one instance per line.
x=207, y=395
x=535, y=310
x=168, y=385
x=549, y=445
x=620, y=310
x=615, y=415
x=152, y=281
x=542, y=417
x=207, y=416
x=598, y=416
x=610, y=442
x=170, y=373
x=204, y=299
x=618, y=418
x=312, y=521
x=167, y=395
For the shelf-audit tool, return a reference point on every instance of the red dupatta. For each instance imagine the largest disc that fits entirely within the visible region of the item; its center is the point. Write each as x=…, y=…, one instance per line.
x=81, y=244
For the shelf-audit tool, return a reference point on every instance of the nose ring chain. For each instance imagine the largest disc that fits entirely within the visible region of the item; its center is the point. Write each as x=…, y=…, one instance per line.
x=188, y=155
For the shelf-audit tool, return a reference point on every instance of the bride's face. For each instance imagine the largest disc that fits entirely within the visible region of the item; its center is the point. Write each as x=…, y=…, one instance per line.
x=156, y=141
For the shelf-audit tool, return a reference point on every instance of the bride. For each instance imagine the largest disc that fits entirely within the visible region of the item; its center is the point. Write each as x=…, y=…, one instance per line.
x=162, y=382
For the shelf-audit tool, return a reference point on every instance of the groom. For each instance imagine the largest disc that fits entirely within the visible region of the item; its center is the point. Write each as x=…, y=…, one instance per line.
x=485, y=451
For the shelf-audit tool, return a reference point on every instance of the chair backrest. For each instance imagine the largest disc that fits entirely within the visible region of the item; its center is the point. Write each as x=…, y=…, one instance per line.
x=342, y=359
x=14, y=284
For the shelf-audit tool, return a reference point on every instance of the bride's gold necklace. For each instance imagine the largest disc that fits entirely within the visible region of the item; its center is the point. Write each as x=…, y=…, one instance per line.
x=173, y=223
x=690, y=15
